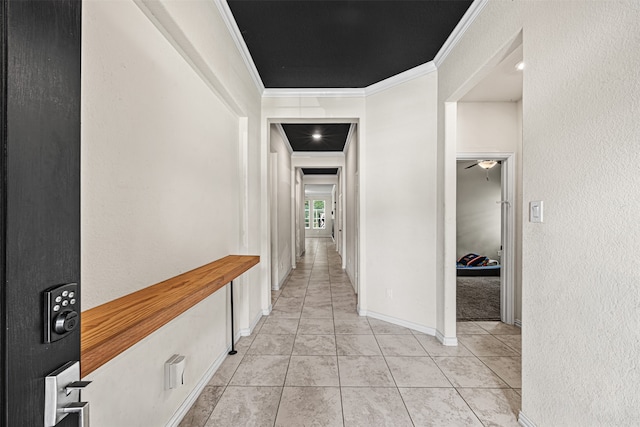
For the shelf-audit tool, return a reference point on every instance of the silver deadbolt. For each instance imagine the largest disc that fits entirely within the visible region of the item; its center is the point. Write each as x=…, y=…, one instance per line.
x=62, y=395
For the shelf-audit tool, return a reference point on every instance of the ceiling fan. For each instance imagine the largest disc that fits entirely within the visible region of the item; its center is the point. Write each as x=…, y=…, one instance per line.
x=486, y=165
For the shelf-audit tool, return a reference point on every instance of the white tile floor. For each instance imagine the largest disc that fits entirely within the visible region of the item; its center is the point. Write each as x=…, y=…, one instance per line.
x=314, y=361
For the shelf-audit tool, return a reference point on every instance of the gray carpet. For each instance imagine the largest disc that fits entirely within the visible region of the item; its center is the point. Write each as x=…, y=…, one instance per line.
x=478, y=298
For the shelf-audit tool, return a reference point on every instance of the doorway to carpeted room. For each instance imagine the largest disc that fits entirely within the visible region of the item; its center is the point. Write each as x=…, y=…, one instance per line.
x=478, y=298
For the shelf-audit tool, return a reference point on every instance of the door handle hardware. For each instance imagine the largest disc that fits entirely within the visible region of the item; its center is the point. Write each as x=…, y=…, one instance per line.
x=76, y=385
x=62, y=395
x=80, y=408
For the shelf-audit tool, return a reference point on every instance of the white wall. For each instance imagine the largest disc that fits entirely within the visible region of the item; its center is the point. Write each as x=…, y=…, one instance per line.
x=487, y=127
x=478, y=223
x=299, y=204
x=581, y=331
x=400, y=200
x=521, y=212
x=162, y=193
x=350, y=175
x=282, y=175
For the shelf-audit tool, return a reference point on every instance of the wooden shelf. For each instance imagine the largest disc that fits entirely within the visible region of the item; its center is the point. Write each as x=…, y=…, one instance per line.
x=111, y=328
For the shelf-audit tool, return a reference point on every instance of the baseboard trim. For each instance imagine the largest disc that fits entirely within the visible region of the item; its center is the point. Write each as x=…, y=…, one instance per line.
x=448, y=341
x=524, y=421
x=279, y=285
x=284, y=279
x=518, y=323
x=351, y=280
x=416, y=327
x=195, y=393
x=254, y=322
x=267, y=311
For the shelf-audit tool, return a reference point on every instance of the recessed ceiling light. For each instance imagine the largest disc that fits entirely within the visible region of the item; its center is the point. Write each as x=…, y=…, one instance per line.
x=520, y=66
x=316, y=136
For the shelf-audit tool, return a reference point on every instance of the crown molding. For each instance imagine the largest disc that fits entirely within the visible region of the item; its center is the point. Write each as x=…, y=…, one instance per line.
x=313, y=93
x=230, y=22
x=398, y=79
x=158, y=15
x=467, y=19
x=283, y=135
x=311, y=154
x=385, y=84
x=352, y=129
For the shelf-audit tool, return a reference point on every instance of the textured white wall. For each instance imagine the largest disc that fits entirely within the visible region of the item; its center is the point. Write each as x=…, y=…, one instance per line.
x=156, y=174
x=581, y=331
x=400, y=198
x=200, y=32
x=478, y=215
x=487, y=127
x=161, y=194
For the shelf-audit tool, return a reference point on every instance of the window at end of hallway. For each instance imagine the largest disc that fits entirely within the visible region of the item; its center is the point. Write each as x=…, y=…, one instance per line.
x=318, y=214
x=306, y=214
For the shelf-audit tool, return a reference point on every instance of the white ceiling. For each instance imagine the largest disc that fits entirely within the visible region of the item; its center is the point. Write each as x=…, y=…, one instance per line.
x=502, y=84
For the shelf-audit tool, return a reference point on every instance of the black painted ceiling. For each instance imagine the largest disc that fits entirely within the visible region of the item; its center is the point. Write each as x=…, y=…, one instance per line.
x=333, y=136
x=342, y=44
x=320, y=171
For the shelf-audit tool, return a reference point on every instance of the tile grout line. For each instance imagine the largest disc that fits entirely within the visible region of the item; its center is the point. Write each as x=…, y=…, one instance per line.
x=337, y=361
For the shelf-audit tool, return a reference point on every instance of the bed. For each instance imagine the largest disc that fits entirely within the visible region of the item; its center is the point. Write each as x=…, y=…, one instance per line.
x=477, y=265
x=484, y=270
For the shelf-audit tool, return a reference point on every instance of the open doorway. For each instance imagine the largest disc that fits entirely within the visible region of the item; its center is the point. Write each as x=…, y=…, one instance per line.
x=486, y=124
x=478, y=240
x=318, y=210
x=489, y=222
x=312, y=169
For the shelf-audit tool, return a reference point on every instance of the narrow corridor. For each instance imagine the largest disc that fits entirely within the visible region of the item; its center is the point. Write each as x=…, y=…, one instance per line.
x=314, y=361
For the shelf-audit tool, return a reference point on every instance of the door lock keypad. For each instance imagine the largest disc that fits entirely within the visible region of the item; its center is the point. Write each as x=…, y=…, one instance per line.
x=61, y=308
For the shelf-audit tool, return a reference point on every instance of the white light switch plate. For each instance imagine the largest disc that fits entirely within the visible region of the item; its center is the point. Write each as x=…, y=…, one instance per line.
x=535, y=211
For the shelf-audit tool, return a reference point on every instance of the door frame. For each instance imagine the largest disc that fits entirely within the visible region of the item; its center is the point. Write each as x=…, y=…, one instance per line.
x=508, y=227
x=273, y=207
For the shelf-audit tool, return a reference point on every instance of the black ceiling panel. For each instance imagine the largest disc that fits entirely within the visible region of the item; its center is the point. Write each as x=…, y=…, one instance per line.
x=342, y=44
x=320, y=171
x=333, y=136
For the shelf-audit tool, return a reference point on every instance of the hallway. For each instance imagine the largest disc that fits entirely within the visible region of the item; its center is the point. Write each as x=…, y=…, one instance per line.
x=314, y=361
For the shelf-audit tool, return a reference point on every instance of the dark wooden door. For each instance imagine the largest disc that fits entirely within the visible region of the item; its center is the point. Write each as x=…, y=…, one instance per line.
x=39, y=193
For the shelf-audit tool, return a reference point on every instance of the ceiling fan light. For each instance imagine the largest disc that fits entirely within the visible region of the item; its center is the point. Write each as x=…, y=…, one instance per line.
x=487, y=164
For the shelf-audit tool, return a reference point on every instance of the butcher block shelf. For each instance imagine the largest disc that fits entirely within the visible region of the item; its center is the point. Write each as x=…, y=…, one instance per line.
x=111, y=328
